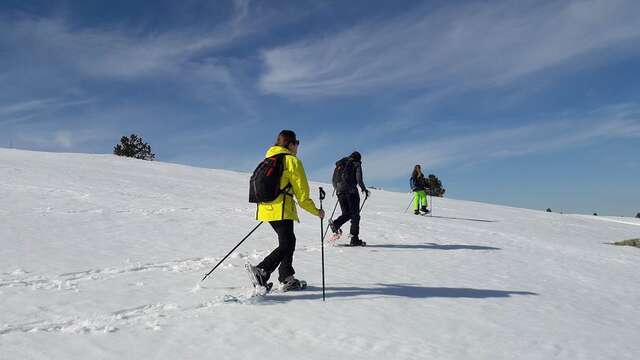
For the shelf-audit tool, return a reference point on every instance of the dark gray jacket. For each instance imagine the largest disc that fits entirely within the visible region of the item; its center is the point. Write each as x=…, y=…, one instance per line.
x=351, y=178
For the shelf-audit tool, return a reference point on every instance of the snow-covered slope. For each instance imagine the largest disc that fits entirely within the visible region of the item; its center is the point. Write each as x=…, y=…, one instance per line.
x=102, y=259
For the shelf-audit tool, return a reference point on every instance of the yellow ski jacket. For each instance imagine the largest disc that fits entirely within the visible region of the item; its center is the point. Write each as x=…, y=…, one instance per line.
x=283, y=207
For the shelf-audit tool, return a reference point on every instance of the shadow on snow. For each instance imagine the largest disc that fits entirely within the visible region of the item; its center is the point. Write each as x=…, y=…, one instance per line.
x=432, y=246
x=456, y=218
x=402, y=290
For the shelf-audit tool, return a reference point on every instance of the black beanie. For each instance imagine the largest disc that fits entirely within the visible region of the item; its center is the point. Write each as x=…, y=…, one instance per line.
x=356, y=156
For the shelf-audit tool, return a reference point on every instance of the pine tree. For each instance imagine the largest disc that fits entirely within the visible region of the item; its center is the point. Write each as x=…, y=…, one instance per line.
x=435, y=186
x=638, y=215
x=549, y=210
x=134, y=147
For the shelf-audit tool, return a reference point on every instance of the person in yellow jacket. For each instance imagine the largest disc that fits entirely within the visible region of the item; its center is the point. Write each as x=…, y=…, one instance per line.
x=281, y=213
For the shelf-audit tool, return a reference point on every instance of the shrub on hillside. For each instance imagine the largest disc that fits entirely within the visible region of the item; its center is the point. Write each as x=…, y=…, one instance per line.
x=632, y=242
x=134, y=147
x=435, y=186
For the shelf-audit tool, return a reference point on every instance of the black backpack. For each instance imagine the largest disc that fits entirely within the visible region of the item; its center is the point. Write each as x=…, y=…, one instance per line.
x=264, y=185
x=343, y=174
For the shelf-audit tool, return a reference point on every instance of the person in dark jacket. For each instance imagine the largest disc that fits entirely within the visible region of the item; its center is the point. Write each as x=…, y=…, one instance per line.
x=419, y=185
x=346, y=178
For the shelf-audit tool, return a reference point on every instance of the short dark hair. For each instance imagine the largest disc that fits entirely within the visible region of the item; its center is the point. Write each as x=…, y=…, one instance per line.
x=286, y=137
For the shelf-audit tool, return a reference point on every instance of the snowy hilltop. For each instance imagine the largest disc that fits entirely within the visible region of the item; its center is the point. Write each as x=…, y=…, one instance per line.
x=102, y=258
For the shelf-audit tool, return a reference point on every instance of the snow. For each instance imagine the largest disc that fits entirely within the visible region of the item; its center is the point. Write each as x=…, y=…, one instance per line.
x=102, y=259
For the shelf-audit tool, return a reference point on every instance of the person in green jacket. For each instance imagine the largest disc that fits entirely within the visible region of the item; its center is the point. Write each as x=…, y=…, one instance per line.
x=281, y=212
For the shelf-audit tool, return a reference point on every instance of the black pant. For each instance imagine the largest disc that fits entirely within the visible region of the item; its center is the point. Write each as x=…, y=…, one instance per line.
x=350, y=206
x=283, y=254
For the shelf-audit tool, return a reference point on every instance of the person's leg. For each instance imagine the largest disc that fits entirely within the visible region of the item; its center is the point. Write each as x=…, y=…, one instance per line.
x=354, y=208
x=286, y=246
x=343, y=200
x=286, y=265
x=423, y=200
x=419, y=202
x=416, y=202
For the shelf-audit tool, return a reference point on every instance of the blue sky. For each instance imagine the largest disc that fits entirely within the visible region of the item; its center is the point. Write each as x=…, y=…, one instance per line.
x=527, y=103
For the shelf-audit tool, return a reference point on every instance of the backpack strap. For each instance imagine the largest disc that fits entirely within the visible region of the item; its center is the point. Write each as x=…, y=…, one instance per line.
x=285, y=190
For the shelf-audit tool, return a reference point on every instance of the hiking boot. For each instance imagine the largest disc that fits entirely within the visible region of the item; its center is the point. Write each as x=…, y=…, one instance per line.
x=417, y=212
x=291, y=284
x=355, y=241
x=424, y=209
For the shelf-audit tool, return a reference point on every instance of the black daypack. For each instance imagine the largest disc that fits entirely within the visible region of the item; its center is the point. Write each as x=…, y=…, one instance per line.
x=344, y=174
x=264, y=185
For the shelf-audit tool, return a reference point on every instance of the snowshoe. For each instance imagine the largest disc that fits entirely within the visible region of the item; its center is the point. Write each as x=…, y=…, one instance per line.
x=292, y=284
x=335, y=237
x=424, y=210
x=258, y=279
x=355, y=241
x=336, y=233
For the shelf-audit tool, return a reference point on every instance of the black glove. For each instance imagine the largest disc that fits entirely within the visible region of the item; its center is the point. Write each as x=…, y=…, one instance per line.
x=366, y=192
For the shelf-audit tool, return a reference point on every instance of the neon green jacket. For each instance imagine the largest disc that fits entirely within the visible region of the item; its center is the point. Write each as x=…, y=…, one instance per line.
x=293, y=174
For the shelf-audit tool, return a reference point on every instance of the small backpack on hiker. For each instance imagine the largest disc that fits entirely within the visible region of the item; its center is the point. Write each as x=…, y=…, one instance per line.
x=264, y=185
x=344, y=176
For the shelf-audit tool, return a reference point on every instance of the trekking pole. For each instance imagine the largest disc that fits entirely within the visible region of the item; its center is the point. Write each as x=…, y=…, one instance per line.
x=413, y=197
x=430, y=204
x=322, y=195
x=364, y=201
x=226, y=256
x=331, y=217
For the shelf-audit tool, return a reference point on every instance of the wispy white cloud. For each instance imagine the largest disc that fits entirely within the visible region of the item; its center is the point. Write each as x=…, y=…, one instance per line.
x=125, y=51
x=24, y=106
x=546, y=135
x=456, y=48
x=64, y=140
x=56, y=62
x=26, y=110
x=115, y=52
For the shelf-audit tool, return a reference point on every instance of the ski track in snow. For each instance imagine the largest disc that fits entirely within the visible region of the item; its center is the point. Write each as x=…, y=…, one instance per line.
x=69, y=281
x=150, y=316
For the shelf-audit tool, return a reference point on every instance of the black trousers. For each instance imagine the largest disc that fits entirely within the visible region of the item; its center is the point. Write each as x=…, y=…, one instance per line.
x=282, y=256
x=350, y=207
